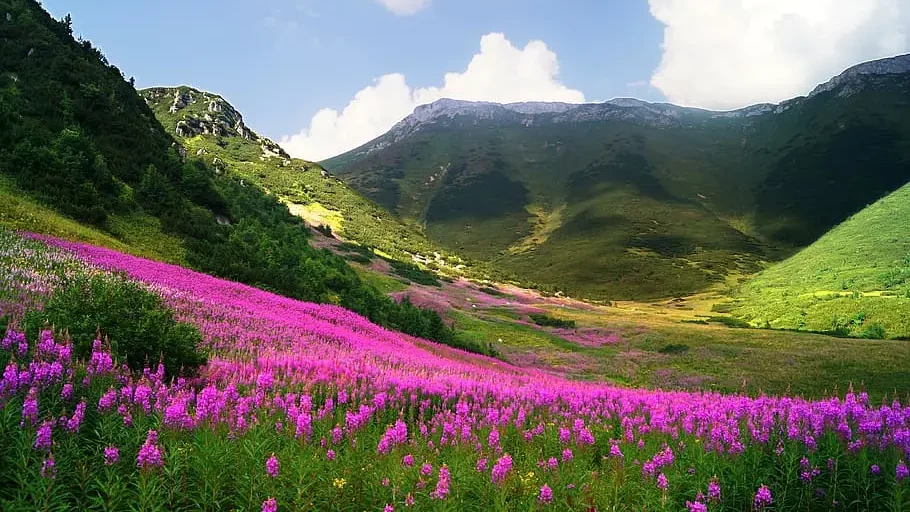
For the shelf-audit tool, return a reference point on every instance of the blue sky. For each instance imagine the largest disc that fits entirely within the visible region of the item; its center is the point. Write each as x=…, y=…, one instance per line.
x=280, y=62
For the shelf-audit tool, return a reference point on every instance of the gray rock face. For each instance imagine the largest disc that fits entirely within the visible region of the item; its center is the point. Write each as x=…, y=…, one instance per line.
x=9, y=17
x=852, y=79
x=181, y=100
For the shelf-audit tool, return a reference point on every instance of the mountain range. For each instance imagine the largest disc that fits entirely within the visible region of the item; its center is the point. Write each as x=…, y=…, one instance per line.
x=629, y=199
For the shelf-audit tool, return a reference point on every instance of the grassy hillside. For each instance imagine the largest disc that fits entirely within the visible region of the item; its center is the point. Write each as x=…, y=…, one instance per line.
x=308, y=190
x=83, y=156
x=639, y=201
x=854, y=280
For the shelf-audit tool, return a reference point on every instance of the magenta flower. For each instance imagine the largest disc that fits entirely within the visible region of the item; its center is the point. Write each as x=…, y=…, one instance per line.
x=442, y=486
x=111, y=455
x=149, y=455
x=426, y=469
x=714, y=490
x=762, y=498
x=567, y=455
x=271, y=466
x=43, y=436
x=407, y=460
x=388, y=508
x=409, y=500
x=481, y=465
x=902, y=472
x=662, y=482
x=73, y=424
x=49, y=467
x=270, y=505
x=875, y=469
x=696, y=506
x=330, y=454
x=545, y=495
x=501, y=468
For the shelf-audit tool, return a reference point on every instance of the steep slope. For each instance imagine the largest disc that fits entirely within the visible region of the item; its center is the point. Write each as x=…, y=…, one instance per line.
x=855, y=280
x=628, y=199
x=79, y=146
x=212, y=129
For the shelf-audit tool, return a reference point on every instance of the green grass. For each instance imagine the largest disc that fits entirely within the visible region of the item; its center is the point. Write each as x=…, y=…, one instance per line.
x=381, y=282
x=135, y=234
x=855, y=277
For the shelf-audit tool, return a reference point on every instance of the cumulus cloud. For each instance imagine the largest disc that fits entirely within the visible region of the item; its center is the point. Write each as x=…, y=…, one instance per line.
x=405, y=7
x=500, y=72
x=731, y=53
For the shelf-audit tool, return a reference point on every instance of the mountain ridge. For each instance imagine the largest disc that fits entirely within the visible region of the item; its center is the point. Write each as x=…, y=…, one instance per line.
x=660, y=113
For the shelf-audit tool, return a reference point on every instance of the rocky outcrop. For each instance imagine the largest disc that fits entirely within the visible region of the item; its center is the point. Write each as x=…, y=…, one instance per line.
x=181, y=100
x=855, y=77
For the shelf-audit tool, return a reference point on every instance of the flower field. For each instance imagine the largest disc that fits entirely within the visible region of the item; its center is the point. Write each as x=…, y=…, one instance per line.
x=311, y=407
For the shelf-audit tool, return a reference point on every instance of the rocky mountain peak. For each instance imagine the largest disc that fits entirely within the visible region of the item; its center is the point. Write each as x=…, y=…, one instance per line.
x=852, y=78
x=203, y=113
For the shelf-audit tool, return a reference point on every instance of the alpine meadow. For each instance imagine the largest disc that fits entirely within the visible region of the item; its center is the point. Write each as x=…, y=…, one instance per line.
x=489, y=294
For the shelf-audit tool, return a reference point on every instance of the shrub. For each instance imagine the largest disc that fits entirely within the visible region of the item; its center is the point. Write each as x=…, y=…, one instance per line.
x=873, y=332
x=414, y=273
x=674, y=348
x=550, y=321
x=138, y=325
x=730, y=321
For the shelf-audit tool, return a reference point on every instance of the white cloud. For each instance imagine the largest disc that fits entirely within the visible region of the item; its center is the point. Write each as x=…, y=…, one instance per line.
x=500, y=72
x=405, y=7
x=732, y=53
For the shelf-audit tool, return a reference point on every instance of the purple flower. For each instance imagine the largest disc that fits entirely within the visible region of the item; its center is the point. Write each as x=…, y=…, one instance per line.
x=43, y=436
x=271, y=466
x=662, y=482
x=330, y=455
x=426, y=469
x=149, y=454
x=762, y=498
x=481, y=465
x=73, y=424
x=714, y=490
x=111, y=455
x=501, y=468
x=567, y=455
x=875, y=469
x=407, y=460
x=49, y=467
x=270, y=505
x=902, y=472
x=545, y=495
x=696, y=506
x=30, y=407
x=442, y=486
x=388, y=508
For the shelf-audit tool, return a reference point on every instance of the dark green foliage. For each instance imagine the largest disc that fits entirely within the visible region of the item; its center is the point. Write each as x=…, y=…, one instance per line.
x=414, y=273
x=325, y=229
x=674, y=348
x=141, y=329
x=551, y=321
x=729, y=321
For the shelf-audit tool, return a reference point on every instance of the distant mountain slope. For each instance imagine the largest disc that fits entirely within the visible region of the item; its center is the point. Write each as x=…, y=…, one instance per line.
x=854, y=280
x=212, y=129
x=628, y=199
x=80, y=148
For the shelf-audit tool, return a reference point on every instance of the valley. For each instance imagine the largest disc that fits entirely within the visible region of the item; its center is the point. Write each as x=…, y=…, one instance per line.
x=527, y=305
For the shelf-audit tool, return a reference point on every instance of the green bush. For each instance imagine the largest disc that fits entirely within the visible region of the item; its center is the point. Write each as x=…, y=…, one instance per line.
x=674, y=348
x=550, y=321
x=141, y=330
x=414, y=273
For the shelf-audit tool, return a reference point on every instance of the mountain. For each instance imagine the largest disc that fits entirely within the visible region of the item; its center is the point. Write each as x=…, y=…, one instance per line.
x=83, y=155
x=212, y=129
x=629, y=199
x=855, y=280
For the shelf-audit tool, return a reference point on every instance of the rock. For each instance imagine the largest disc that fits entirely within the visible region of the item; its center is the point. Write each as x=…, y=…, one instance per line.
x=201, y=151
x=30, y=52
x=9, y=17
x=215, y=106
x=222, y=220
x=180, y=151
x=323, y=173
x=218, y=163
x=183, y=129
x=181, y=100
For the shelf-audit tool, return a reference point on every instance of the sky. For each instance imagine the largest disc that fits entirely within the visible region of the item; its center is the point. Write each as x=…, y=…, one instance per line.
x=324, y=76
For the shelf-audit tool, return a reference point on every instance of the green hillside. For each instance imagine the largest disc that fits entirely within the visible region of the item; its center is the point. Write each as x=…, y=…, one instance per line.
x=83, y=156
x=855, y=280
x=212, y=129
x=631, y=200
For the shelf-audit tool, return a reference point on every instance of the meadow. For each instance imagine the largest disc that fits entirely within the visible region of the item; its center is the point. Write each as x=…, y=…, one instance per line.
x=311, y=407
